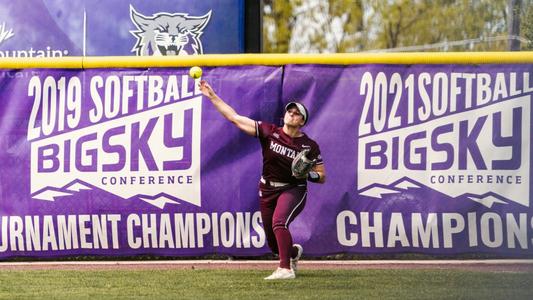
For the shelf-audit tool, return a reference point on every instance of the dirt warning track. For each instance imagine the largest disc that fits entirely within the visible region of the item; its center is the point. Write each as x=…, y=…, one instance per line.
x=522, y=266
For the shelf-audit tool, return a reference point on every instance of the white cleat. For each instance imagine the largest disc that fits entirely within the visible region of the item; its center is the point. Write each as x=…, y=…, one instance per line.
x=281, y=273
x=294, y=261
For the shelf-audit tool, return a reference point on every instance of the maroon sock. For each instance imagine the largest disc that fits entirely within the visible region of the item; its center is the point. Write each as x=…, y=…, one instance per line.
x=284, y=238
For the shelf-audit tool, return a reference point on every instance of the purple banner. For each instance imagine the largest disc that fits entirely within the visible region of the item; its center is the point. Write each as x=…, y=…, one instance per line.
x=426, y=159
x=56, y=28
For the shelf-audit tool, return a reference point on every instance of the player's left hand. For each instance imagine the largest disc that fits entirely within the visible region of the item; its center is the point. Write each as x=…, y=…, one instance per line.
x=301, y=165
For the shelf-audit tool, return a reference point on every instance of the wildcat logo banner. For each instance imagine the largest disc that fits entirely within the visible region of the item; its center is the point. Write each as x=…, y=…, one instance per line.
x=121, y=28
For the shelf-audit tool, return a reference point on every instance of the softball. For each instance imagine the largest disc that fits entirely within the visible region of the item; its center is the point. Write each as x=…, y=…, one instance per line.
x=195, y=72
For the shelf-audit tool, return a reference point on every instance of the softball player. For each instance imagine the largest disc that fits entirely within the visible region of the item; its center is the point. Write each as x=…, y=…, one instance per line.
x=282, y=196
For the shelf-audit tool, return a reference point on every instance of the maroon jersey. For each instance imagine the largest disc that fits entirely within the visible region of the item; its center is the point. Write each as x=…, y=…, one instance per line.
x=279, y=150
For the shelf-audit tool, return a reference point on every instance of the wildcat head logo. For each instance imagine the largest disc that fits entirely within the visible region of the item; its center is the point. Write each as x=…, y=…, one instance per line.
x=168, y=34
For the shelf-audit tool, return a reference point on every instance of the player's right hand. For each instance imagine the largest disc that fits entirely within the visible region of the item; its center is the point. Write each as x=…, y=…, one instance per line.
x=206, y=89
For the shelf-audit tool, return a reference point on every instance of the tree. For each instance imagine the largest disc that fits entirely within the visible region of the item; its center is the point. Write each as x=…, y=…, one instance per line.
x=277, y=26
x=526, y=27
x=313, y=26
x=446, y=25
x=362, y=25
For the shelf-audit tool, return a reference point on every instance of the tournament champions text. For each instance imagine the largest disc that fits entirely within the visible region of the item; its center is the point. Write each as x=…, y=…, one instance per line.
x=63, y=233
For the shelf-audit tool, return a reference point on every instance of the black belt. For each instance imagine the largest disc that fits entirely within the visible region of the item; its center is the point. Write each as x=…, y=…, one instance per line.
x=273, y=183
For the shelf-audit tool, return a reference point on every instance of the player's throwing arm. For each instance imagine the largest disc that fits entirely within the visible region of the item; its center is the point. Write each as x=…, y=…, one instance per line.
x=244, y=123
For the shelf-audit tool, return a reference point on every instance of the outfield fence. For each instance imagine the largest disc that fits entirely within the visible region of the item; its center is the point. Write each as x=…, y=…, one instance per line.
x=119, y=156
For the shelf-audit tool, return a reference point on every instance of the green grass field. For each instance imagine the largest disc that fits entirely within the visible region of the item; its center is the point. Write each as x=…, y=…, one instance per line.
x=249, y=284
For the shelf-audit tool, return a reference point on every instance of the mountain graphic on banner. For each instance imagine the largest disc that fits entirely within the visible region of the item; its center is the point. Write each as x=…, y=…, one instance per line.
x=159, y=200
x=379, y=191
x=71, y=189
x=487, y=199
x=50, y=193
